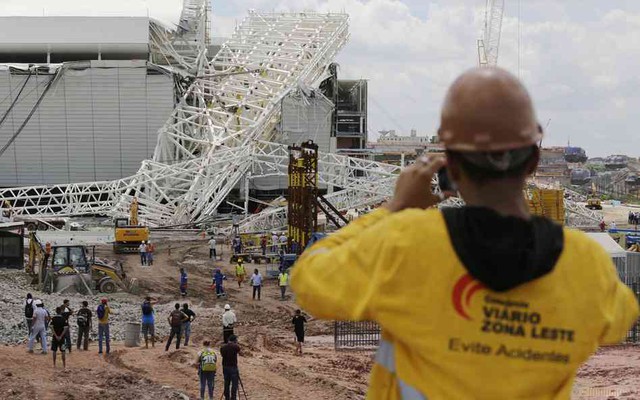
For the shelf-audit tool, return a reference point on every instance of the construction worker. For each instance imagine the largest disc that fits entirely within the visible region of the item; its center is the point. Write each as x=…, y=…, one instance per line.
x=183, y=282
x=47, y=253
x=218, y=279
x=148, y=322
x=149, y=254
x=38, y=329
x=228, y=321
x=275, y=244
x=176, y=318
x=229, y=353
x=298, y=322
x=283, y=281
x=103, y=312
x=283, y=242
x=263, y=244
x=186, y=325
x=241, y=273
x=142, y=249
x=470, y=298
x=59, y=328
x=29, y=308
x=66, y=313
x=237, y=245
x=207, y=365
x=256, y=283
x=212, y=248
x=84, y=322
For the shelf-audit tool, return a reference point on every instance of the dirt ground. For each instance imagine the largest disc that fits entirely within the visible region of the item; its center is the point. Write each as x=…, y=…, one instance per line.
x=269, y=369
x=612, y=373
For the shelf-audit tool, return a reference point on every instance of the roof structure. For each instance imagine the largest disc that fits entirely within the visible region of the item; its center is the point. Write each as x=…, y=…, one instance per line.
x=27, y=38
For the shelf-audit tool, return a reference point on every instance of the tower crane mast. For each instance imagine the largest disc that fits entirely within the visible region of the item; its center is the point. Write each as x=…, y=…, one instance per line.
x=489, y=43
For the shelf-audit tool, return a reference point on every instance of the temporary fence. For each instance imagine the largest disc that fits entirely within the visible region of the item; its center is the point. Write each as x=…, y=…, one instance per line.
x=629, y=272
x=633, y=336
x=349, y=335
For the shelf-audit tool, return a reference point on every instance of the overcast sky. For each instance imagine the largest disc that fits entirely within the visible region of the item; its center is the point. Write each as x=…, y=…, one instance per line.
x=579, y=58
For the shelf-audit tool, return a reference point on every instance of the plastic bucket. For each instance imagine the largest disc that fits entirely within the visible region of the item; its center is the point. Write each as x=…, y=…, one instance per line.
x=132, y=335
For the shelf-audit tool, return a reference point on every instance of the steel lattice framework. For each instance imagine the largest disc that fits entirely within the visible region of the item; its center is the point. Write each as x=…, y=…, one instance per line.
x=223, y=129
x=186, y=46
x=211, y=138
x=489, y=44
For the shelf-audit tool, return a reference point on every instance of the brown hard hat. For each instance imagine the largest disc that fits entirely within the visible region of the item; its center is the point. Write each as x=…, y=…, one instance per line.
x=488, y=110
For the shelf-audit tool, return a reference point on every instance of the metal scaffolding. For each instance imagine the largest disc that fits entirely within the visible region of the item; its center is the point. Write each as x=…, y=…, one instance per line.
x=302, y=194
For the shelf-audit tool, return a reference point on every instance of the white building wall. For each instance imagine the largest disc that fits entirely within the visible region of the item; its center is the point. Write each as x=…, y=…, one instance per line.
x=96, y=124
x=303, y=118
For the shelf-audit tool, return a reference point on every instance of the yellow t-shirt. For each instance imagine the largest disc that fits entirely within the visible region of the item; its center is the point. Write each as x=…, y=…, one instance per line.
x=105, y=317
x=452, y=337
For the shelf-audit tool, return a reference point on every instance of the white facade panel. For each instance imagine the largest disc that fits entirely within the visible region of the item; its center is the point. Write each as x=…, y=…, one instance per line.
x=8, y=160
x=303, y=119
x=95, y=124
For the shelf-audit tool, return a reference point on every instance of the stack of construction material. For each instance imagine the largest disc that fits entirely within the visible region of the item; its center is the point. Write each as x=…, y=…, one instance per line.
x=547, y=202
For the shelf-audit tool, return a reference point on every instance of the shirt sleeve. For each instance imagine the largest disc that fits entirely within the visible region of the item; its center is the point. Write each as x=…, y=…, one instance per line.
x=620, y=304
x=337, y=277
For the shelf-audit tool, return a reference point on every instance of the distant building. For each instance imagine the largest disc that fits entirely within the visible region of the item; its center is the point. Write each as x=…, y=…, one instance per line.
x=393, y=148
x=553, y=168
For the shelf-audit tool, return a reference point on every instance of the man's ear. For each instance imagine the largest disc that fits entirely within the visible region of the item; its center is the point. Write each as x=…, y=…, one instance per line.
x=532, y=164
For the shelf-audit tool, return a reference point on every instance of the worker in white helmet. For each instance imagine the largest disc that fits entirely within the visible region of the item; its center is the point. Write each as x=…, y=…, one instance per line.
x=228, y=321
x=142, y=249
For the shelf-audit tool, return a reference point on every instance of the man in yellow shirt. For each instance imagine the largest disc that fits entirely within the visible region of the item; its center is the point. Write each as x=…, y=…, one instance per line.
x=103, y=312
x=479, y=302
x=241, y=273
x=283, y=281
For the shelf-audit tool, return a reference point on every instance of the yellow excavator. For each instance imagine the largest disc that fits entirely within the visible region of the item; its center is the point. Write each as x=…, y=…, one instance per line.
x=128, y=233
x=593, y=202
x=54, y=267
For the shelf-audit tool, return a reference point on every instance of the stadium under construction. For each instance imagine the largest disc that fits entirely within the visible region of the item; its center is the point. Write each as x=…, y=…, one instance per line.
x=188, y=128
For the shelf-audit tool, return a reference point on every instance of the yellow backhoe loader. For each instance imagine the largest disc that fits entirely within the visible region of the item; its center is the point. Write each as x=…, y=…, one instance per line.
x=55, y=267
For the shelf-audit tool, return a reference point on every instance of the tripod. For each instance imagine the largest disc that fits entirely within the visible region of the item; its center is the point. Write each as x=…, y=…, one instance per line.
x=241, y=387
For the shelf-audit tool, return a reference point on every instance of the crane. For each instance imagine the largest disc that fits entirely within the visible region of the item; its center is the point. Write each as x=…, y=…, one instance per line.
x=489, y=43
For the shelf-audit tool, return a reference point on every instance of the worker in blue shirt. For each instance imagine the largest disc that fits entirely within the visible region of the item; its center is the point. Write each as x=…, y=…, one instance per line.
x=218, y=277
x=183, y=282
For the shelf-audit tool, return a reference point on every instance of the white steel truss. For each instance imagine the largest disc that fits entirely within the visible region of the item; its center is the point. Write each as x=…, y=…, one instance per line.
x=186, y=46
x=208, y=143
x=489, y=44
x=223, y=130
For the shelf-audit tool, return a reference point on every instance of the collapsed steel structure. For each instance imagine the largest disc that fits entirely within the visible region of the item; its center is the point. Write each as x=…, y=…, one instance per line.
x=221, y=130
x=224, y=128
